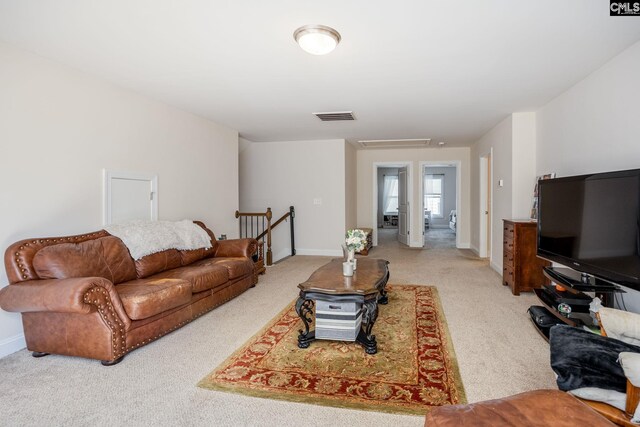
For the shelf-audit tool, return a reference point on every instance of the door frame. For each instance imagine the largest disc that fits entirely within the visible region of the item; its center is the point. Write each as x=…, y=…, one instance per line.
x=485, y=240
x=451, y=163
x=374, y=215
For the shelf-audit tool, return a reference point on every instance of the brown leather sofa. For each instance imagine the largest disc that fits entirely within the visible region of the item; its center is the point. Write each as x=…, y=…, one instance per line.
x=538, y=408
x=85, y=296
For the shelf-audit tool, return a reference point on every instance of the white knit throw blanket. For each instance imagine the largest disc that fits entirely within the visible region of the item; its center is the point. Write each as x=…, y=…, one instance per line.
x=148, y=237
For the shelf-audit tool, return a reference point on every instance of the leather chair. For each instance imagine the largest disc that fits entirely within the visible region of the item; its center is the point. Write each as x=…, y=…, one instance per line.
x=539, y=408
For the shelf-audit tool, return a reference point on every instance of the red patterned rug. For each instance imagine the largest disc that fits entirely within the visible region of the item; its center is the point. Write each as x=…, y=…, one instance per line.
x=414, y=370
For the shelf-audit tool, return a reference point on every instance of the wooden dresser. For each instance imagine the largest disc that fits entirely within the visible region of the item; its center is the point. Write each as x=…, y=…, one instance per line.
x=521, y=268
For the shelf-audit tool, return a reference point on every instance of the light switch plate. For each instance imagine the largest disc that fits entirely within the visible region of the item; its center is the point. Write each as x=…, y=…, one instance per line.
x=317, y=201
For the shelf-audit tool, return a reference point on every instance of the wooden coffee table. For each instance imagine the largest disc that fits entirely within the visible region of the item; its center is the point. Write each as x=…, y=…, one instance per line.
x=365, y=287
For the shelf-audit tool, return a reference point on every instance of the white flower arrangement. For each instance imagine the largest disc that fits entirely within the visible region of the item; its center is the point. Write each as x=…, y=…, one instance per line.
x=356, y=240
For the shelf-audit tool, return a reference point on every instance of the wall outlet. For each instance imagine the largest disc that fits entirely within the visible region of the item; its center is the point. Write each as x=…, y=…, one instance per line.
x=317, y=201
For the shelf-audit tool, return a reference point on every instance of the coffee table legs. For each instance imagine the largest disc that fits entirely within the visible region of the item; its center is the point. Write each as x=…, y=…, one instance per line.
x=304, y=308
x=383, y=298
x=369, y=316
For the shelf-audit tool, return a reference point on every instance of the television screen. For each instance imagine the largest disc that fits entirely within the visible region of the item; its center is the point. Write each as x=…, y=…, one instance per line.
x=591, y=224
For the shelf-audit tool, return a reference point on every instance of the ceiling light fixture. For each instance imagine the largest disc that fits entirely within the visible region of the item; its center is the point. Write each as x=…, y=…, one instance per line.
x=317, y=39
x=395, y=143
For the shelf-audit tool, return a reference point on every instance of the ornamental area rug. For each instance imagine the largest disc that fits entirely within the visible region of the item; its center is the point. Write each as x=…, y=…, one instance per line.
x=414, y=370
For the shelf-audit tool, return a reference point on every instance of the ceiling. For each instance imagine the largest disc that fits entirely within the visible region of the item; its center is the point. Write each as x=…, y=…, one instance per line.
x=444, y=70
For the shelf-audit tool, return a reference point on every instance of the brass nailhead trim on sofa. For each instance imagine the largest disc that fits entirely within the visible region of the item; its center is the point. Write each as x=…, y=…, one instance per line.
x=99, y=297
x=47, y=242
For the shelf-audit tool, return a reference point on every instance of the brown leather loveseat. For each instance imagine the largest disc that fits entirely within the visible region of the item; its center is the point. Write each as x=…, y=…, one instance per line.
x=85, y=296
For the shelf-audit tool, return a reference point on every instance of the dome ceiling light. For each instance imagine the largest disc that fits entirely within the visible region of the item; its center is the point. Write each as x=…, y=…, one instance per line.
x=317, y=39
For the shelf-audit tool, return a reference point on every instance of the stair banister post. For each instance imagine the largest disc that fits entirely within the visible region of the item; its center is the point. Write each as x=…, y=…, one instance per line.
x=269, y=254
x=292, y=215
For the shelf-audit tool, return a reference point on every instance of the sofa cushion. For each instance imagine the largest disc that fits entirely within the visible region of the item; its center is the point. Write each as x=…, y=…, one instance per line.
x=155, y=263
x=236, y=266
x=191, y=256
x=201, y=277
x=105, y=257
x=148, y=297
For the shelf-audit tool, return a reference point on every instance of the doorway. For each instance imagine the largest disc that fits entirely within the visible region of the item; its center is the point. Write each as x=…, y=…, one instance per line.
x=440, y=195
x=392, y=184
x=486, y=178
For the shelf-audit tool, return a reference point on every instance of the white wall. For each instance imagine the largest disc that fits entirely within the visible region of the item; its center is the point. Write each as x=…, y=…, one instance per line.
x=351, y=186
x=294, y=173
x=595, y=126
x=498, y=139
x=59, y=128
x=366, y=160
x=512, y=143
x=523, y=171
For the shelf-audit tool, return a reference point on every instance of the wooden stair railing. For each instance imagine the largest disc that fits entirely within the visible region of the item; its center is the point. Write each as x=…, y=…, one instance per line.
x=258, y=226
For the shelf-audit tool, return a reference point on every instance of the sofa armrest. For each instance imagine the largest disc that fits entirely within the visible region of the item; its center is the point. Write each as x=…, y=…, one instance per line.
x=630, y=363
x=74, y=295
x=236, y=248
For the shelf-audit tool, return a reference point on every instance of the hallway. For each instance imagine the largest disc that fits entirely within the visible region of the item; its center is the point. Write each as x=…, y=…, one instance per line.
x=434, y=238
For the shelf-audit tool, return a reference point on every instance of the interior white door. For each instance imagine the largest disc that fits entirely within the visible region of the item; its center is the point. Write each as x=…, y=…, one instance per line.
x=129, y=195
x=130, y=199
x=484, y=248
x=487, y=210
x=403, y=207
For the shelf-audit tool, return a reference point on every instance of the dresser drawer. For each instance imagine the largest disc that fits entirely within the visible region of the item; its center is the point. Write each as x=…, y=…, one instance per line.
x=508, y=258
x=507, y=276
x=509, y=230
x=507, y=245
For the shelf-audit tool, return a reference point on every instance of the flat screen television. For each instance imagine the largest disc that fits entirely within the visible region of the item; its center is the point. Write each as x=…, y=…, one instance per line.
x=591, y=223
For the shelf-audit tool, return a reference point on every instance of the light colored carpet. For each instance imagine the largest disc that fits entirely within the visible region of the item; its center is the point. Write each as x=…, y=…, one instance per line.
x=498, y=351
x=439, y=238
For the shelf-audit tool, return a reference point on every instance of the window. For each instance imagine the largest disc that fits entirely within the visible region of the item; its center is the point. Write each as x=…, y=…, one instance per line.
x=433, y=185
x=390, y=195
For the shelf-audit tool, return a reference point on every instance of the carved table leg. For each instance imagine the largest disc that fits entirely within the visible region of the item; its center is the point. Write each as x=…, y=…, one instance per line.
x=304, y=308
x=383, y=298
x=369, y=316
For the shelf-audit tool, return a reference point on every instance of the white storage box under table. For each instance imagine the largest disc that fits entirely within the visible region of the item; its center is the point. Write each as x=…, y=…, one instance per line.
x=339, y=321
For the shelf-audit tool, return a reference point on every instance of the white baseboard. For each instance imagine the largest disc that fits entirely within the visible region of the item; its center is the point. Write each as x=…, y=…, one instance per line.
x=464, y=245
x=496, y=267
x=12, y=344
x=474, y=250
x=317, y=252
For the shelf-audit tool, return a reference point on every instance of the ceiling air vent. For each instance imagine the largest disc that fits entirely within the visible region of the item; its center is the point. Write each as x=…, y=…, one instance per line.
x=335, y=116
x=395, y=143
